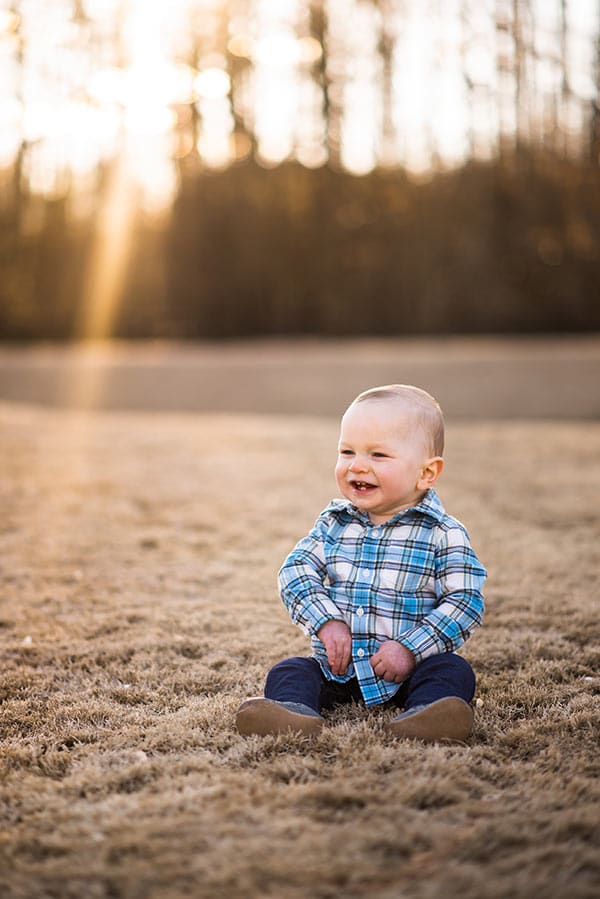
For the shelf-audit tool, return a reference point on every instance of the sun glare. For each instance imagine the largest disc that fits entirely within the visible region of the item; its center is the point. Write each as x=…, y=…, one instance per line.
x=82, y=83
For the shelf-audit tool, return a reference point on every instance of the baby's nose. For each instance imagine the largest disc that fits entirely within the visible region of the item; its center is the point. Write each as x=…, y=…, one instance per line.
x=358, y=464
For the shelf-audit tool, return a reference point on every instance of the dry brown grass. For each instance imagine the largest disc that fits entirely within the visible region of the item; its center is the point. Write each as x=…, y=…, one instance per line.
x=138, y=608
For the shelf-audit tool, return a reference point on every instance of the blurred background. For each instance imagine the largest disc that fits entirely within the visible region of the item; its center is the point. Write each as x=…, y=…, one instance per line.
x=208, y=169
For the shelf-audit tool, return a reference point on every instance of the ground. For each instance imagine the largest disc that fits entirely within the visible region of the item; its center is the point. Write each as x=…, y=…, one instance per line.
x=138, y=608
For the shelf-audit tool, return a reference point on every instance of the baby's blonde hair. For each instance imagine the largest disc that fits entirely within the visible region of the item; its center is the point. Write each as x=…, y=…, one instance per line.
x=427, y=413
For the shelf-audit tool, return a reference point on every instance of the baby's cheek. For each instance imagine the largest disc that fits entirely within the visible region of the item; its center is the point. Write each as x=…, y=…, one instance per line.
x=340, y=475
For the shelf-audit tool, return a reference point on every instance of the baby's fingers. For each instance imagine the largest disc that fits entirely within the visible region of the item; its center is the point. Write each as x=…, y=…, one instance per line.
x=345, y=661
x=339, y=658
x=334, y=656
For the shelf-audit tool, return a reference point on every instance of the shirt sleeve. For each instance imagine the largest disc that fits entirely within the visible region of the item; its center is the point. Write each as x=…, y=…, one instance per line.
x=459, y=610
x=302, y=588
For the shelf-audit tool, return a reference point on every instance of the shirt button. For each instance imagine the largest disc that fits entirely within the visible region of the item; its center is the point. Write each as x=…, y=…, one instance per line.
x=360, y=653
x=366, y=572
x=360, y=612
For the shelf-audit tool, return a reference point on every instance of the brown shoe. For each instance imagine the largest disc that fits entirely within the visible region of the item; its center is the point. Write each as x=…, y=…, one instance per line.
x=446, y=719
x=266, y=716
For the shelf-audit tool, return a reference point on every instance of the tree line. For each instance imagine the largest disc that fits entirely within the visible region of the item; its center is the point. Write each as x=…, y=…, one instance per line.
x=506, y=242
x=509, y=246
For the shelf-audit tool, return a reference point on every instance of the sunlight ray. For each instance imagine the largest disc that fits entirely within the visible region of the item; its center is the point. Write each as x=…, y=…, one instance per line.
x=105, y=282
x=108, y=264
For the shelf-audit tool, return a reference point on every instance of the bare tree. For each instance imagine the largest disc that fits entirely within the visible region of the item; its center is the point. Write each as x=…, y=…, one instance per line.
x=318, y=29
x=594, y=138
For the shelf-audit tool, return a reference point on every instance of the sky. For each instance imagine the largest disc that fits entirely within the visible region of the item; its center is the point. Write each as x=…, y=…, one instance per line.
x=152, y=82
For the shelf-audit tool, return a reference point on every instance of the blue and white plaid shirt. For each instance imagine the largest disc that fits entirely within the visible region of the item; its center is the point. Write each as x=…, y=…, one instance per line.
x=414, y=579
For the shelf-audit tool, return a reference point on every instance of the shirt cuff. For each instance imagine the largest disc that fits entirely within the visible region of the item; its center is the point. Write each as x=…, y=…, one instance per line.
x=422, y=643
x=315, y=613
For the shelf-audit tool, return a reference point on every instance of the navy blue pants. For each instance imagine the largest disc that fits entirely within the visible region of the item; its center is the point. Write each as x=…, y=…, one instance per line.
x=300, y=679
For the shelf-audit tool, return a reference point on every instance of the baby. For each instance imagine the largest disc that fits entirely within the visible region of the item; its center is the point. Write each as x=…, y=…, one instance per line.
x=386, y=584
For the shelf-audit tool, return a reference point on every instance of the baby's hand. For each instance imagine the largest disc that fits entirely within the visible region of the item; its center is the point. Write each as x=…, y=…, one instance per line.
x=336, y=637
x=393, y=662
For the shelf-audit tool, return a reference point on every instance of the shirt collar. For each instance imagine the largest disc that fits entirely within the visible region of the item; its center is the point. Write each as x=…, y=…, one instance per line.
x=430, y=505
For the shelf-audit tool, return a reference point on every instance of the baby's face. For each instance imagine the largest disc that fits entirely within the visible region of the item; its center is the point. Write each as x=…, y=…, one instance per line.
x=381, y=455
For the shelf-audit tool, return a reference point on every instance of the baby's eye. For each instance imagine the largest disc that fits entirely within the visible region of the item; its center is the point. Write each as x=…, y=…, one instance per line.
x=346, y=452
x=380, y=455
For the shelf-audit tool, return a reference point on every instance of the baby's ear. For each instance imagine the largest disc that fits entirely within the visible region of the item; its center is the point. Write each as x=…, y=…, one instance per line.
x=430, y=472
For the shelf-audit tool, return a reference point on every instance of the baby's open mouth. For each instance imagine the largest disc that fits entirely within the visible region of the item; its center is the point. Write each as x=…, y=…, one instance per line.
x=362, y=486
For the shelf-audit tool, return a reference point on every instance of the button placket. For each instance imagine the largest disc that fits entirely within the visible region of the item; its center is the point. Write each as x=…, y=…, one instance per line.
x=364, y=564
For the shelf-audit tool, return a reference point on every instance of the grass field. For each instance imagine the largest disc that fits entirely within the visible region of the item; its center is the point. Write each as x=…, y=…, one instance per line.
x=139, y=608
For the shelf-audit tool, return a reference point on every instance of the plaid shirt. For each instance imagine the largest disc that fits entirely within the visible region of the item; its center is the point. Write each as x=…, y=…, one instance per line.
x=414, y=579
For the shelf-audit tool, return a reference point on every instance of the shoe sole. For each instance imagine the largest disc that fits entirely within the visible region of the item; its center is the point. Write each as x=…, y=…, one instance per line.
x=448, y=719
x=264, y=716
